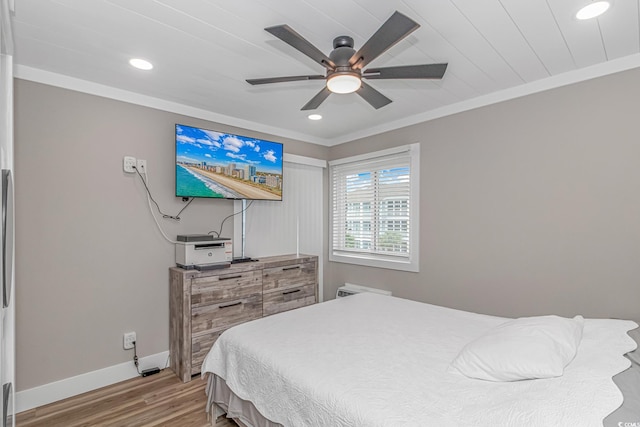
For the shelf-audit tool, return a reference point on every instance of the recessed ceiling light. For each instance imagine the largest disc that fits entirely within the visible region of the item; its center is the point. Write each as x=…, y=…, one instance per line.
x=141, y=64
x=593, y=10
x=315, y=117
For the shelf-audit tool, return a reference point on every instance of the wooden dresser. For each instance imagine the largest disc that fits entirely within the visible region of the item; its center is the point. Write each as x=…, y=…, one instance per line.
x=203, y=304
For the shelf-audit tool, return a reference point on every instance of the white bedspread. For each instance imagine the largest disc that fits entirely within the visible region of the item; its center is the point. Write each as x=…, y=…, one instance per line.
x=371, y=360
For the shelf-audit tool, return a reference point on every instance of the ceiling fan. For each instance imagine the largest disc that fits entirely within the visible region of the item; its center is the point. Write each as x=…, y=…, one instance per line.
x=344, y=65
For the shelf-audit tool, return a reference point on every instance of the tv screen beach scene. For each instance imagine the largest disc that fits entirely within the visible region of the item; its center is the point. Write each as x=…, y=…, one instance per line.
x=224, y=165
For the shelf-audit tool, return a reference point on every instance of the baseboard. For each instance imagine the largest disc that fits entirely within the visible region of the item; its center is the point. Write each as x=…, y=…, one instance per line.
x=58, y=390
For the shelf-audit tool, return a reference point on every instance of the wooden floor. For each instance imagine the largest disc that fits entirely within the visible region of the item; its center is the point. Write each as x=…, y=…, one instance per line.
x=157, y=400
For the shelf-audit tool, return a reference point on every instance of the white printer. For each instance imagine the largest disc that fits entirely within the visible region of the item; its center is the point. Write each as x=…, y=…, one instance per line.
x=200, y=250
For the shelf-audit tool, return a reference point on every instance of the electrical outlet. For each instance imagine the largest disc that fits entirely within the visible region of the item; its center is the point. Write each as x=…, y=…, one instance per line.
x=129, y=164
x=129, y=339
x=141, y=165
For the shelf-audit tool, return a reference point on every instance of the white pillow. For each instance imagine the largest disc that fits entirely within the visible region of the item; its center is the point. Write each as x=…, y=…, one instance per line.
x=521, y=349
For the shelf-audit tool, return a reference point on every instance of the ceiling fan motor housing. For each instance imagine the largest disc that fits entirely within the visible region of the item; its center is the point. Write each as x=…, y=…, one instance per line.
x=342, y=51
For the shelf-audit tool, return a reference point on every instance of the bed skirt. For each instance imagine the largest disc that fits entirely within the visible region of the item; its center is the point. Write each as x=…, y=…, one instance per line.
x=221, y=400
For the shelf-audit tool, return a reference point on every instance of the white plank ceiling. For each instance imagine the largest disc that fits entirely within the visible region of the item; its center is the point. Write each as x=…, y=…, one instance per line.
x=203, y=50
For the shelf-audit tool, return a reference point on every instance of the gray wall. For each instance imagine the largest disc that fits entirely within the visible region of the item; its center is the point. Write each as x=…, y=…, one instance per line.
x=90, y=263
x=529, y=206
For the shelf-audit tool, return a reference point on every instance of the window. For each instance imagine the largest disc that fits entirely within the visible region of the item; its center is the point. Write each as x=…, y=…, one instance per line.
x=374, y=209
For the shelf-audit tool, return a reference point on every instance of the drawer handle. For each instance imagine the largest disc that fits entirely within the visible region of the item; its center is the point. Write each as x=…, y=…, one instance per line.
x=230, y=305
x=231, y=277
x=291, y=268
x=291, y=292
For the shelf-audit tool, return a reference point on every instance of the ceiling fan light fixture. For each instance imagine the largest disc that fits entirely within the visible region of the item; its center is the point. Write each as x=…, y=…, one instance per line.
x=593, y=10
x=344, y=82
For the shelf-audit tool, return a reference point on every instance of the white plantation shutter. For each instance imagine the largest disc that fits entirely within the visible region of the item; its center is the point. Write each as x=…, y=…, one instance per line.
x=374, y=209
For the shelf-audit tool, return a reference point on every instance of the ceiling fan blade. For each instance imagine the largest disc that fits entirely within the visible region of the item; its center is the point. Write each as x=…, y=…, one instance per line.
x=397, y=27
x=283, y=79
x=372, y=96
x=426, y=71
x=289, y=36
x=317, y=100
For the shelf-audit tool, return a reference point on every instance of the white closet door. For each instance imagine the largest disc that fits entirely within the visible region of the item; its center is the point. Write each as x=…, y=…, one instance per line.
x=291, y=226
x=7, y=299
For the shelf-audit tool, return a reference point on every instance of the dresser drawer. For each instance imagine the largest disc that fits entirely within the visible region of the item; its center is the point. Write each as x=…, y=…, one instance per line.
x=200, y=346
x=280, y=300
x=233, y=285
x=225, y=314
x=289, y=275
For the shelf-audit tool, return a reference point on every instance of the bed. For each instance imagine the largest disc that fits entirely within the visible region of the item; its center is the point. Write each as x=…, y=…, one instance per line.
x=374, y=360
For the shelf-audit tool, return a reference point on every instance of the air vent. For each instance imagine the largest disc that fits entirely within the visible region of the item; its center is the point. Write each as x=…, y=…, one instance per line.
x=351, y=289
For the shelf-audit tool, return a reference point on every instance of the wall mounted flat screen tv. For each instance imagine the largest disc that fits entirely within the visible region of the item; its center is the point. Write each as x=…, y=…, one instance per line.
x=226, y=166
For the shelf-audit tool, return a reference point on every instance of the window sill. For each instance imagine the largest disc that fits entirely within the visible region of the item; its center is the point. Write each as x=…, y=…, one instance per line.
x=402, y=265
